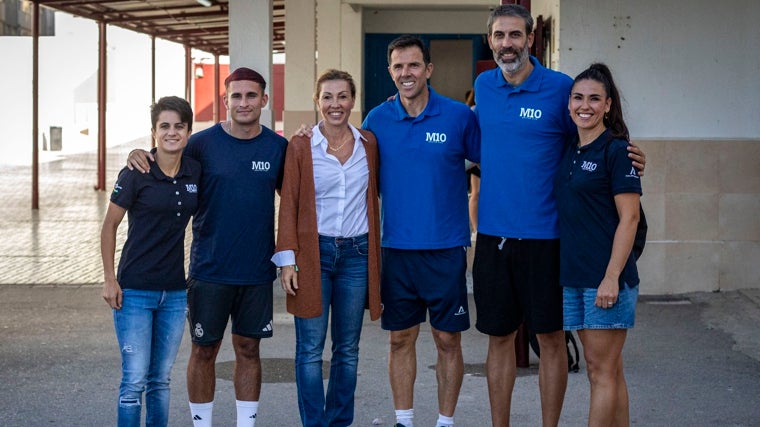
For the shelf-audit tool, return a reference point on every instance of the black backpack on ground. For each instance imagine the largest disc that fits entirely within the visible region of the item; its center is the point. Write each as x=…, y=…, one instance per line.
x=573, y=355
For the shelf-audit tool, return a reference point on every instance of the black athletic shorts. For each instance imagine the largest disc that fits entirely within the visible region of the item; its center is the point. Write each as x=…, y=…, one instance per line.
x=210, y=305
x=516, y=280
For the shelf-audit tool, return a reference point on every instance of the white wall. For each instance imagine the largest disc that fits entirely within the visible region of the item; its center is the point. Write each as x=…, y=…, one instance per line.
x=69, y=61
x=409, y=21
x=689, y=73
x=687, y=69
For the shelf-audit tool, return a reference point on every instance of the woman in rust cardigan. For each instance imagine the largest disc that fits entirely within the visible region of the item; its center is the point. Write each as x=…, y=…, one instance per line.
x=328, y=247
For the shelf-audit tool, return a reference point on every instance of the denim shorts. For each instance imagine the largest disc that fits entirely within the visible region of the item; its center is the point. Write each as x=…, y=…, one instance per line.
x=581, y=313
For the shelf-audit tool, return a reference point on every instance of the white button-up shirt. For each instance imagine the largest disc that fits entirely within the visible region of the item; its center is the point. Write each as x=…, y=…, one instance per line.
x=341, y=192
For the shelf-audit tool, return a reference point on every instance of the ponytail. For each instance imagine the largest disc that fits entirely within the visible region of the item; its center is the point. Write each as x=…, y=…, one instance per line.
x=614, y=119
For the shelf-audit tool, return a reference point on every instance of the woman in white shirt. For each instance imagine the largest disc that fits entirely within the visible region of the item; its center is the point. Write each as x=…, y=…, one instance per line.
x=328, y=249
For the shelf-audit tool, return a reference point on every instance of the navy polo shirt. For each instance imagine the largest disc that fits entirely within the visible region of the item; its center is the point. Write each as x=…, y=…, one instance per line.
x=158, y=210
x=233, y=232
x=423, y=185
x=588, y=179
x=524, y=129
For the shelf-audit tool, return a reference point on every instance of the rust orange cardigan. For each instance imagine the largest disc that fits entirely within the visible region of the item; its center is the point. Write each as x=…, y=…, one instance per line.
x=297, y=227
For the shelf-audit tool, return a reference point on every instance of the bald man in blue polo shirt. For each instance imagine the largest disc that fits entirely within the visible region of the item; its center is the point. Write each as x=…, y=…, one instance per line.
x=423, y=139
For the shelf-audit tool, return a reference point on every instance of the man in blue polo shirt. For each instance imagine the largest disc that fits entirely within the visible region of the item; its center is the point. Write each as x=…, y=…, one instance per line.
x=423, y=139
x=522, y=112
x=233, y=239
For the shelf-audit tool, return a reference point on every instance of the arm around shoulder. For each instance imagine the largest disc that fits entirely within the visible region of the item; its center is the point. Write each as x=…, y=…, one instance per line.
x=636, y=154
x=138, y=159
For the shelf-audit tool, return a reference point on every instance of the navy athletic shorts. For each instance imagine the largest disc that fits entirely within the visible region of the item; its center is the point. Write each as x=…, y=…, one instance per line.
x=417, y=281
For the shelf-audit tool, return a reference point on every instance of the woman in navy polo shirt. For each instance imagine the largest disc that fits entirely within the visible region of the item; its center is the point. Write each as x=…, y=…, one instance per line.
x=597, y=191
x=148, y=295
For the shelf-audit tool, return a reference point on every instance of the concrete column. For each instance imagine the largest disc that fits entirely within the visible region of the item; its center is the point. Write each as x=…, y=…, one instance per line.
x=351, y=54
x=339, y=43
x=300, y=64
x=251, y=43
x=329, y=30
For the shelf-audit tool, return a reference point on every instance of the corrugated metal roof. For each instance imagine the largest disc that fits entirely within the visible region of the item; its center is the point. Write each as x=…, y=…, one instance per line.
x=182, y=21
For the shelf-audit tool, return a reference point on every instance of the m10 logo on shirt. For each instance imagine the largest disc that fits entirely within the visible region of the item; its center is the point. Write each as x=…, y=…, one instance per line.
x=435, y=137
x=530, y=113
x=588, y=166
x=260, y=166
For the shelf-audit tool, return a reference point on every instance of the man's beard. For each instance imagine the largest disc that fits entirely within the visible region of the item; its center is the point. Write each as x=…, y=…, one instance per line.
x=514, y=65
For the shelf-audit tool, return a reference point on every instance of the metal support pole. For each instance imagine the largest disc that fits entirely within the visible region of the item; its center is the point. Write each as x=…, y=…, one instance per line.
x=102, y=103
x=215, y=116
x=35, y=106
x=152, y=77
x=188, y=75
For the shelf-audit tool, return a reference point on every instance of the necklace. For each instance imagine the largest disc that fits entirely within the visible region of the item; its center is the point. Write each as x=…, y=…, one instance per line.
x=345, y=141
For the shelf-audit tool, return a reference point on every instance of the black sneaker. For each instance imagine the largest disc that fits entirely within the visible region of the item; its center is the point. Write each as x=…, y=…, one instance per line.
x=398, y=425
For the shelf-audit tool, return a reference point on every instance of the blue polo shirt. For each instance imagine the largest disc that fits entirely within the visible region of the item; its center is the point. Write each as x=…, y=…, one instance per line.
x=423, y=185
x=233, y=232
x=158, y=210
x=588, y=179
x=524, y=130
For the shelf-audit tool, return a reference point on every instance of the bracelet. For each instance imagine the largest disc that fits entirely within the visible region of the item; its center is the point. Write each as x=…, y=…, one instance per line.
x=295, y=267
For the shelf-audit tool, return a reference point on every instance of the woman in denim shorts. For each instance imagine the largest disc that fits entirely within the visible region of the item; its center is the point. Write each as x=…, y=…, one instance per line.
x=597, y=191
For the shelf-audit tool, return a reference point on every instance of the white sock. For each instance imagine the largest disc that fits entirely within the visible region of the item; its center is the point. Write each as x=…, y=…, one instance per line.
x=444, y=421
x=202, y=413
x=405, y=417
x=246, y=413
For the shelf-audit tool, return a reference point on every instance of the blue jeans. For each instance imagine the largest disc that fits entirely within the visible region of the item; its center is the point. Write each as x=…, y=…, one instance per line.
x=149, y=328
x=344, y=292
